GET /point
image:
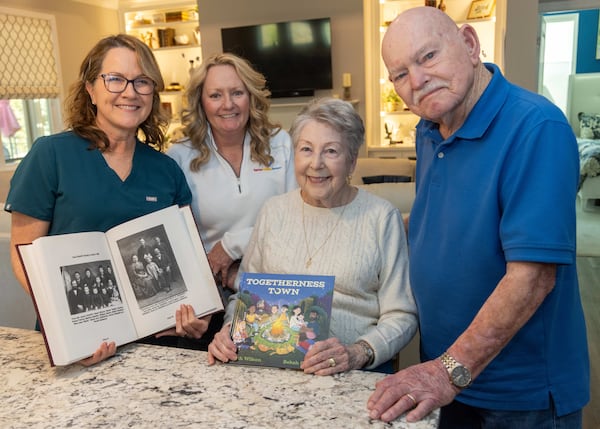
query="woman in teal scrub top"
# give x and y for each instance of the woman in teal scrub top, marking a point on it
(107, 167)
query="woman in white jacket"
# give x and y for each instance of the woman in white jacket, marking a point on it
(234, 159)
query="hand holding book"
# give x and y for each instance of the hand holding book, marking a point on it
(187, 324)
(278, 319)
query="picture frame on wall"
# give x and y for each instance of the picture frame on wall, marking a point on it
(481, 9)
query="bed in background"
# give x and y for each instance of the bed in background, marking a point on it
(583, 112)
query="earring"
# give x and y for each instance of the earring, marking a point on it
(349, 179)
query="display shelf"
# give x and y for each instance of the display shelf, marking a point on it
(131, 26)
(172, 31)
(170, 48)
(379, 100)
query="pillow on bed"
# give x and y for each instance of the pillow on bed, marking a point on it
(589, 125)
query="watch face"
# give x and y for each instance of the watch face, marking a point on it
(461, 376)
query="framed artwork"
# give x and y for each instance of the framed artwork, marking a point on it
(481, 9)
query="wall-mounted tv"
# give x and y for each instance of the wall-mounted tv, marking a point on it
(294, 56)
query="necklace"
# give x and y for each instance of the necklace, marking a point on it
(310, 257)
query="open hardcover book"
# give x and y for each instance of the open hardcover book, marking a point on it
(118, 286)
(278, 317)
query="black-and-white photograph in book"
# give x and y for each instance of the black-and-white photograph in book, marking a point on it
(90, 286)
(151, 266)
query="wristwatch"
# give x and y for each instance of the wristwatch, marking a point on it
(460, 376)
(368, 351)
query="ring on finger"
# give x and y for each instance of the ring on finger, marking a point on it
(412, 398)
(332, 362)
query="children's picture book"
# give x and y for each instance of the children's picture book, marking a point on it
(119, 286)
(278, 317)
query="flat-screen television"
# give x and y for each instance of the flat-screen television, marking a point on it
(294, 56)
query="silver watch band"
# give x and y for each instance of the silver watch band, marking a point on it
(368, 351)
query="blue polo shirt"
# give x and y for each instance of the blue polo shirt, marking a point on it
(501, 189)
(64, 182)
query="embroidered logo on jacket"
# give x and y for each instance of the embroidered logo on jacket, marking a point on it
(266, 169)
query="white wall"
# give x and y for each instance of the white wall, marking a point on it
(521, 43)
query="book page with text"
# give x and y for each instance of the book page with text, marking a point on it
(78, 306)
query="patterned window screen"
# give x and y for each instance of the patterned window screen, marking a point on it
(29, 65)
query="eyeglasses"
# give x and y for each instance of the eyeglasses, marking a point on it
(117, 84)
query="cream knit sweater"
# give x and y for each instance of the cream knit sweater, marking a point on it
(367, 253)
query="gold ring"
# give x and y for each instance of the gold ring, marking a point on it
(412, 398)
(331, 362)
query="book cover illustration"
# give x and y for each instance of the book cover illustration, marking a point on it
(278, 317)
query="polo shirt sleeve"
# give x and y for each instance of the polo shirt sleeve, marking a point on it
(537, 195)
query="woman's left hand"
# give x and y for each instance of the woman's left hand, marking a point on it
(187, 324)
(329, 357)
(219, 262)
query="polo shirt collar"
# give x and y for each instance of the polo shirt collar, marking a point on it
(484, 111)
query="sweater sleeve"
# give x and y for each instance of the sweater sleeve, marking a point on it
(397, 321)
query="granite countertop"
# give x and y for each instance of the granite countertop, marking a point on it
(152, 386)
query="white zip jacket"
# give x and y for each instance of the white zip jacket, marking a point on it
(225, 207)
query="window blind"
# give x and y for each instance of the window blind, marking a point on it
(28, 55)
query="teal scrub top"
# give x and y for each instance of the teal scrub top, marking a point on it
(64, 182)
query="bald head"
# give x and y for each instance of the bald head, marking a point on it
(425, 14)
(415, 23)
(433, 65)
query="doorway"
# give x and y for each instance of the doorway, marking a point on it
(558, 56)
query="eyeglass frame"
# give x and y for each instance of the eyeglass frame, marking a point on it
(127, 82)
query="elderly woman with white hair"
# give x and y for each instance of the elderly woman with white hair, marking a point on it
(329, 227)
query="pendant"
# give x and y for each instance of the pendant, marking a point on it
(308, 262)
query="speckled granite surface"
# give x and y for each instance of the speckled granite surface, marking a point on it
(151, 386)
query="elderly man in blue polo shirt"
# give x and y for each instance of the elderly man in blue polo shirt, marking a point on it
(492, 241)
